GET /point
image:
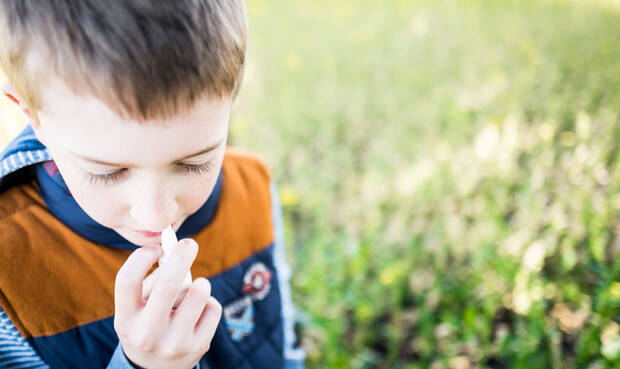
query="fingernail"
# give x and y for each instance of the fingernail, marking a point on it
(188, 242)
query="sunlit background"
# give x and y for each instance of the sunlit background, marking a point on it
(450, 177)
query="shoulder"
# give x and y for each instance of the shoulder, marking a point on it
(250, 166)
(245, 161)
(18, 200)
(22, 215)
(21, 219)
(246, 184)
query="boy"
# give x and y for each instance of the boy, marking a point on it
(129, 103)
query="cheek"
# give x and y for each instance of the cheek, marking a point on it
(195, 193)
(198, 188)
(98, 202)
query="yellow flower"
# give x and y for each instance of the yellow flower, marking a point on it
(614, 290)
(363, 312)
(387, 276)
(288, 196)
(567, 138)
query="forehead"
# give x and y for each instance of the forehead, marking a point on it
(84, 125)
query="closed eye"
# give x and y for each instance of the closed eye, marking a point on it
(117, 176)
(203, 168)
(106, 179)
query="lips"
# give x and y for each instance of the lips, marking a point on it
(149, 233)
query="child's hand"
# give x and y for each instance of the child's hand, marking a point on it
(149, 282)
(152, 334)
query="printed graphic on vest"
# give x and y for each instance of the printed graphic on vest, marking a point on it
(240, 318)
(239, 314)
(257, 281)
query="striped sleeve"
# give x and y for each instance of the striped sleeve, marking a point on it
(120, 361)
(294, 357)
(15, 352)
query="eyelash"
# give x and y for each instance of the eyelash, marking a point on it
(115, 177)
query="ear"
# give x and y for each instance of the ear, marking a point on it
(9, 91)
(12, 95)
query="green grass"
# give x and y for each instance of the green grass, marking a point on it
(450, 176)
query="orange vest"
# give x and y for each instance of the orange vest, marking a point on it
(53, 281)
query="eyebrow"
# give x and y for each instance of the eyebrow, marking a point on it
(101, 162)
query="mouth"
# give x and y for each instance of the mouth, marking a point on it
(150, 234)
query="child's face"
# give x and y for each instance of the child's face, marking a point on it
(135, 178)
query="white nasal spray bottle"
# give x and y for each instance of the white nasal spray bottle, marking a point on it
(168, 243)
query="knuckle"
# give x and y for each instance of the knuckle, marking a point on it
(123, 280)
(201, 347)
(170, 351)
(186, 350)
(189, 249)
(121, 332)
(217, 307)
(118, 327)
(140, 254)
(144, 343)
(122, 336)
(202, 288)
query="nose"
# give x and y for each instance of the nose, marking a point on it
(153, 207)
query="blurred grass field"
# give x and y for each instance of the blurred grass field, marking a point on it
(449, 173)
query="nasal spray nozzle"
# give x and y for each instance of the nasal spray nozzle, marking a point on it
(168, 243)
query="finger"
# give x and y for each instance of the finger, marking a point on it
(180, 298)
(207, 324)
(189, 311)
(128, 283)
(169, 281)
(148, 283)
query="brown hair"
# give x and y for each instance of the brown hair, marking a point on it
(142, 58)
